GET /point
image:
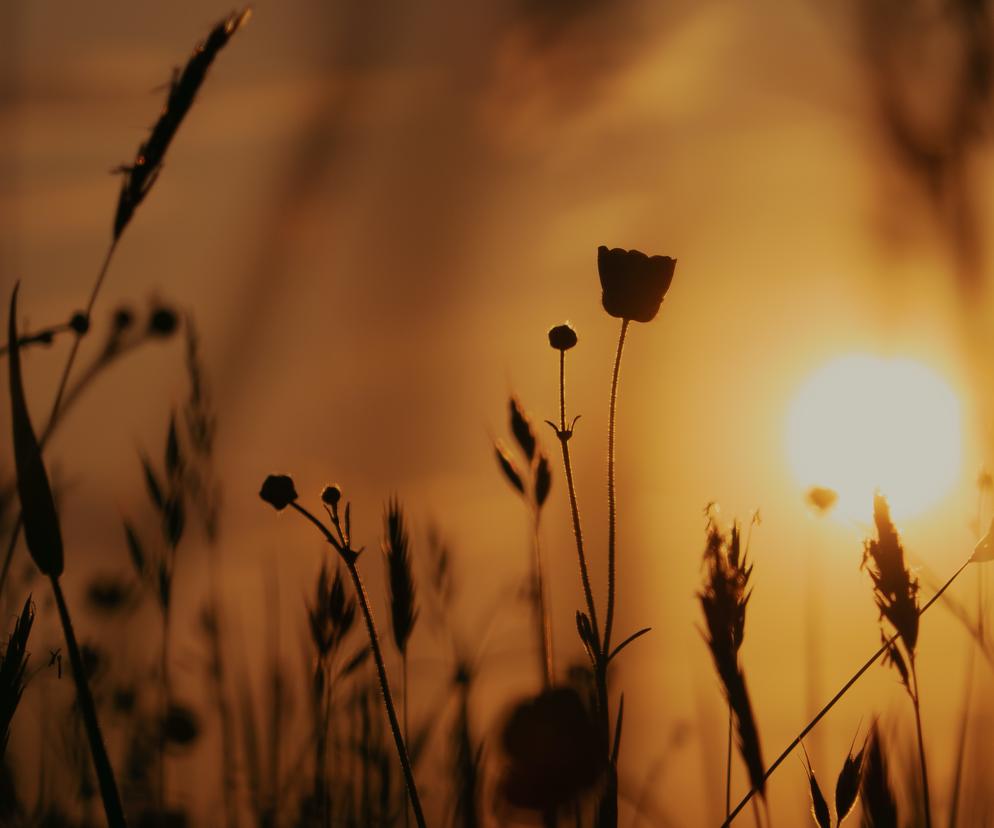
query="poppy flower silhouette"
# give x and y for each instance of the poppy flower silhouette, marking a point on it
(633, 283)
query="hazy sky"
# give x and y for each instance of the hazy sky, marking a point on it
(375, 213)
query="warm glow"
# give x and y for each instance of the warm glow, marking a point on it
(861, 423)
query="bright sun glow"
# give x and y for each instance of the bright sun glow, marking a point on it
(862, 423)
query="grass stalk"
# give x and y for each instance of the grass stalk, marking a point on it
(916, 701)
(612, 504)
(349, 556)
(544, 628)
(105, 775)
(165, 701)
(728, 764)
(835, 699)
(407, 731)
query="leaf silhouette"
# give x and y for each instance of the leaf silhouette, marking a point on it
(41, 521)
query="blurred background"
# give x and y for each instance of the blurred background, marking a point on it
(374, 212)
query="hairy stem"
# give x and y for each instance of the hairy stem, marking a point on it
(612, 516)
(88, 710)
(564, 437)
(381, 670)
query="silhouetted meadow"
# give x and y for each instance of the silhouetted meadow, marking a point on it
(329, 738)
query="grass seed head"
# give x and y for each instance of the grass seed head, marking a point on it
(400, 577)
(724, 599)
(894, 587)
(144, 170)
(13, 665)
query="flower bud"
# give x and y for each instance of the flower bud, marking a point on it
(331, 495)
(562, 337)
(162, 322)
(123, 317)
(278, 491)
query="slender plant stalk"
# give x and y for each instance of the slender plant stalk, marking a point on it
(387, 698)
(728, 766)
(53, 416)
(916, 699)
(612, 516)
(88, 710)
(164, 677)
(541, 612)
(407, 732)
(834, 700)
(962, 737)
(381, 670)
(564, 437)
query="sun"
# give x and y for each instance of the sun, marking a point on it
(862, 423)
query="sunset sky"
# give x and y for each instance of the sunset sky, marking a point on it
(375, 212)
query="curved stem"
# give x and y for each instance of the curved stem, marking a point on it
(845, 688)
(381, 670)
(916, 700)
(349, 556)
(612, 517)
(88, 710)
(564, 437)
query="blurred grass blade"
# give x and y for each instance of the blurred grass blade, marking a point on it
(13, 666)
(41, 521)
(508, 468)
(521, 428)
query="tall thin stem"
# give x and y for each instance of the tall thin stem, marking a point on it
(381, 670)
(564, 437)
(916, 700)
(88, 710)
(407, 732)
(70, 361)
(728, 767)
(834, 700)
(164, 678)
(611, 499)
(543, 626)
